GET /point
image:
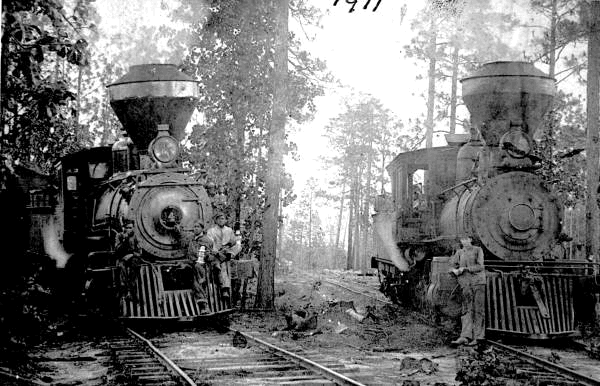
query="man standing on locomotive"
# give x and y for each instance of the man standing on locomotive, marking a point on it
(129, 255)
(226, 246)
(200, 254)
(470, 272)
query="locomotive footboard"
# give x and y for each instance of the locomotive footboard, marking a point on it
(529, 301)
(157, 292)
(151, 300)
(539, 306)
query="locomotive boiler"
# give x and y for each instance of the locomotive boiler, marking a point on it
(139, 179)
(485, 185)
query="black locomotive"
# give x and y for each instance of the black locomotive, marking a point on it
(139, 179)
(483, 185)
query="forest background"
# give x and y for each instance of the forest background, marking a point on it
(365, 81)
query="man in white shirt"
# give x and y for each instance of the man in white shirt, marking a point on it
(226, 245)
(468, 266)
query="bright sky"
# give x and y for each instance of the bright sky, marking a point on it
(364, 50)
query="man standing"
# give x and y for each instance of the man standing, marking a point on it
(226, 246)
(129, 254)
(200, 254)
(470, 272)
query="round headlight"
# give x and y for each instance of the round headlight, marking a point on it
(170, 217)
(516, 143)
(164, 149)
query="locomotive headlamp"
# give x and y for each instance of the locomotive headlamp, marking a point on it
(164, 149)
(516, 143)
(170, 217)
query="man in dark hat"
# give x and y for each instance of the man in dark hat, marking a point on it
(468, 267)
(559, 252)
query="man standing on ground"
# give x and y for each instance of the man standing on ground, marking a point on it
(468, 267)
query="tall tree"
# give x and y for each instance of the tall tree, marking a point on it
(362, 137)
(593, 120)
(230, 143)
(562, 29)
(266, 285)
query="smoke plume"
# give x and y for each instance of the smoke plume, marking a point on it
(384, 228)
(52, 245)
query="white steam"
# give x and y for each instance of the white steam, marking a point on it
(384, 228)
(52, 245)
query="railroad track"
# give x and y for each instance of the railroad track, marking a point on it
(540, 370)
(359, 288)
(365, 291)
(141, 363)
(210, 357)
(528, 366)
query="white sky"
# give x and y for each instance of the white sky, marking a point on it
(363, 49)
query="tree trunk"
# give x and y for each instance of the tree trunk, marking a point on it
(593, 119)
(106, 127)
(350, 254)
(383, 158)
(266, 283)
(339, 224)
(240, 107)
(310, 220)
(453, 92)
(238, 184)
(367, 207)
(552, 42)
(79, 79)
(281, 232)
(3, 81)
(357, 219)
(431, 89)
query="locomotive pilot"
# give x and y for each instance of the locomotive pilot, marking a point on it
(468, 267)
(226, 246)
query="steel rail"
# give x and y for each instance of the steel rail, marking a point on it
(164, 359)
(584, 379)
(326, 372)
(17, 379)
(357, 292)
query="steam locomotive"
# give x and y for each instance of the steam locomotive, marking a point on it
(139, 179)
(485, 185)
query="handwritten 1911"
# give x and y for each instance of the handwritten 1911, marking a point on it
(354, 2)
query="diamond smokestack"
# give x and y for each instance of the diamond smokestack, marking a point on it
(153, 94)
(504, 94)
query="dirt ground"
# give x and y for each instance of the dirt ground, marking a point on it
(385, 327)
(389, 340)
